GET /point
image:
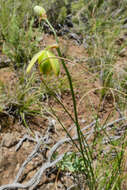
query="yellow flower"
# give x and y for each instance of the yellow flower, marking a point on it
(47, 62)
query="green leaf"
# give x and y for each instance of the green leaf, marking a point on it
(33, 61)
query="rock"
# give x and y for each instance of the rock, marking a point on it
(75, 37)
(8, 163)
(1, 160)
(10, 139)
(85, 44)
(83, 120)
(122, 53)
(68, 21)
(4, 61)
(124, 26)
(49, 186)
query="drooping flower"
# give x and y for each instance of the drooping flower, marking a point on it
(47, 62)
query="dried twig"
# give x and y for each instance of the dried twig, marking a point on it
(35, 180)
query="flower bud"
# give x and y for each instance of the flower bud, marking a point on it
(40, 11)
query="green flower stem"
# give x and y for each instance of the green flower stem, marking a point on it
(68, 75)
(55, 113)
(54, 32)
(79, 133)
(71, 88)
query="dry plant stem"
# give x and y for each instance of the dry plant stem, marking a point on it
(100, 88)
(26, 137)
(72, 62)
(113, 122)
(35, 180)
(31, 184)
(56, 181)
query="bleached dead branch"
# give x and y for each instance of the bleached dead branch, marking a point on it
(40, 141)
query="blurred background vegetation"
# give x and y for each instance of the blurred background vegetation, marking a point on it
(100, 26)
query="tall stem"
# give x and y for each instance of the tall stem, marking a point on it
(68, 74)
(74, 104)
(71, 88)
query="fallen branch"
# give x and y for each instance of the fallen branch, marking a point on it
(35, 180)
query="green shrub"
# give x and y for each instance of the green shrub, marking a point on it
(19, 39)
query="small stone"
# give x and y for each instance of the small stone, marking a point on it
(26, 145)
(4, 62)
(48, 186)
(1, 158)
(122, 53)
(85, 44)
(83, 121)
(124, 26)
(9, 140)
